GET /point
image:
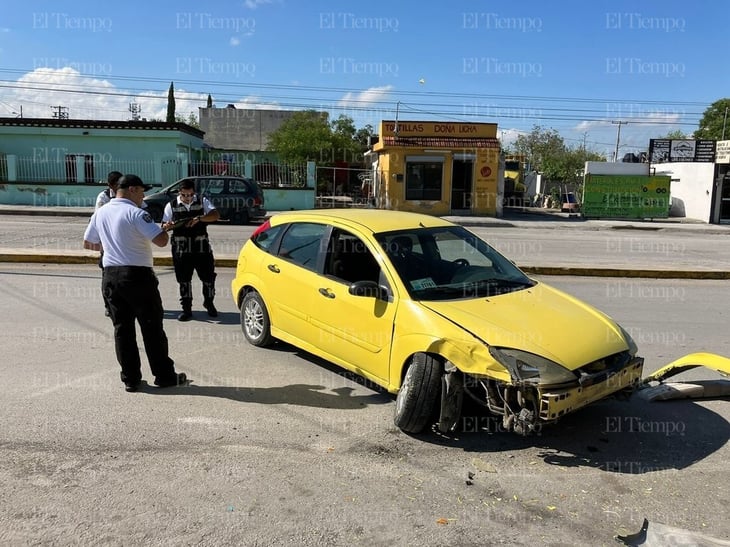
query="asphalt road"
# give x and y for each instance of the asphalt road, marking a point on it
(547, 247)
(274, 447)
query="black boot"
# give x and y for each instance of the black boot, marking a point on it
(208, 295)
(186, 301)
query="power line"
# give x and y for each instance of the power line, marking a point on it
(493, 111)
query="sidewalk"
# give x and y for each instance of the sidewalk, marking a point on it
(566, 244)
(512, 218)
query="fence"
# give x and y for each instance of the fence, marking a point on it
(164, 171)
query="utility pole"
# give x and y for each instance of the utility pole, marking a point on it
(135, 109)
(618, 139)
(61, 112)
(724, 124)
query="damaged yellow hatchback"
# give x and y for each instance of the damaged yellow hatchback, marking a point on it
(428, 310)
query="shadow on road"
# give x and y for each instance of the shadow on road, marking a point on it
(633, 437)
(293, 394)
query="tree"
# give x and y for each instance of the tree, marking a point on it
(302, 137)
(569, 168)
(543, 149)
(362, 136)
(344, 144)
(713, 124)
(209, 103)
(675, 134)
(191, 120)
(171, 104)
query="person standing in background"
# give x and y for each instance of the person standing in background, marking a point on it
(187, 216)
(104, 197)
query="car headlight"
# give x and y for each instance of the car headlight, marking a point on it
(531, 368)
(633, 348)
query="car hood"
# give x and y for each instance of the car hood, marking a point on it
(540, 320)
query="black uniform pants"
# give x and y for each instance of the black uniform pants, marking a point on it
(190, 256)
(133, 295)
(187, 263)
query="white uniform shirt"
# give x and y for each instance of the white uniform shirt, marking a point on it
(124, 231)
(207, 207)
(104, 197)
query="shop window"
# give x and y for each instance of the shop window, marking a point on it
(424, 180)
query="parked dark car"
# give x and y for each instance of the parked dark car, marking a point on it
(239, 200)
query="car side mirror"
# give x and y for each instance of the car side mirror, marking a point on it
(368, 289)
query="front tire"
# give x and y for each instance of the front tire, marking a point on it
(255, 321)
(415, 404)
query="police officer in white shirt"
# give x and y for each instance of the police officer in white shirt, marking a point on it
(187, 216)
(112, 181)
(130, 286)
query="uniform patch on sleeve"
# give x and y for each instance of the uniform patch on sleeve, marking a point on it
(147, 217)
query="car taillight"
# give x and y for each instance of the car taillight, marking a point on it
(265, 226)
(257, 200)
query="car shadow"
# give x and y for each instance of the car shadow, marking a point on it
(628, 437)
(224, 318)
(319, 396)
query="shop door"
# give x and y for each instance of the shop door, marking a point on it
(725, 198)
(462, 175)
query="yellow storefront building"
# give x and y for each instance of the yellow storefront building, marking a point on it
(437, 168)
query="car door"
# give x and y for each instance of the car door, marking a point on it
(355, 331)
(294, 282)
(214, 189)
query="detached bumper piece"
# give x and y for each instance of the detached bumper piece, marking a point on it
(556, 403)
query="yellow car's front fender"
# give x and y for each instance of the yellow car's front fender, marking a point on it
(413, 333)
(693, 360)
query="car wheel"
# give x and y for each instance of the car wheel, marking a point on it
(241, 217)
(416, 401)
(255, 320)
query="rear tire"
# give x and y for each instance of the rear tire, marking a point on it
(415, 404)
(241, 218)
(255, 322)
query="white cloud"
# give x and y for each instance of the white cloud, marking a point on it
(41, 91)
(359, 106)
(234, 41)
(253, 4)
(253, 102)
(508, 136)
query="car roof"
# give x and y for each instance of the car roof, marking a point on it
(376, 220)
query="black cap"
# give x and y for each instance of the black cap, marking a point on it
(133, 180)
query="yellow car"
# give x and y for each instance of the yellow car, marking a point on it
(428, 310)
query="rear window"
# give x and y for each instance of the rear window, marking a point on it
(239, 187)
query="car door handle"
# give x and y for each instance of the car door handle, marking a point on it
(274, 268)
(326, 292)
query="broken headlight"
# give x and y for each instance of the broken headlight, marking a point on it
(531, 368)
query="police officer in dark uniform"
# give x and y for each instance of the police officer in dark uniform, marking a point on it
(187, 216)
(124, 231)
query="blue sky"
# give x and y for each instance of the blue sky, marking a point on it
(570, 66)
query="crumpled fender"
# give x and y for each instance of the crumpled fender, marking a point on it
(693, 360)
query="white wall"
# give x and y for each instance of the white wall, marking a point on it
(691, 188)
(615, 168)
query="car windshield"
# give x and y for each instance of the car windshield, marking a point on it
(450, 263)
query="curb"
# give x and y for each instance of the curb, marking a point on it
(25, 258)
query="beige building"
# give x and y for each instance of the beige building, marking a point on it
(438, 168)
(246, 130)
